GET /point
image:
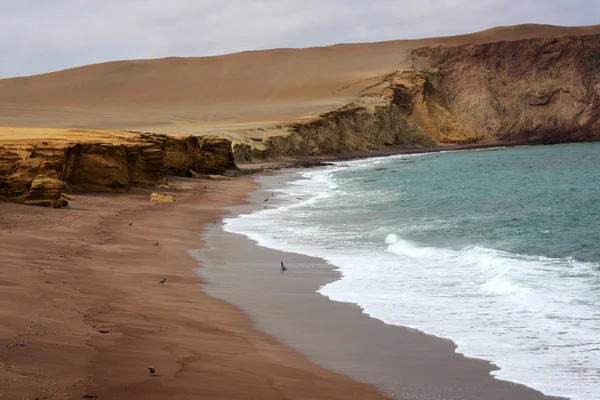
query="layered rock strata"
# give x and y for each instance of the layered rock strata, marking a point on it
(39, 173)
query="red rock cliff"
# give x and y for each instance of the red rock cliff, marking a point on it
(534, 91)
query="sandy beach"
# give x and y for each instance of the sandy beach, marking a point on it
(404, 363)
(84, 314)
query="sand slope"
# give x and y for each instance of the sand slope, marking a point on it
(237, 90)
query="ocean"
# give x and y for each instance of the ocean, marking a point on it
(497, 250)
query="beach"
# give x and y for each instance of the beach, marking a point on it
(457, 275)
(404, 363)
(84, 314)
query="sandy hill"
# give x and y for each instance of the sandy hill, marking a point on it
(208, 93)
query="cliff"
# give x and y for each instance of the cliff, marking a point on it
(38, 171)
(358, 127)
(526, 84)
(528, 91)
(536, 91)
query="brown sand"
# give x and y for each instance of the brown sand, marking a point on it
(69, 274)
(404, 363)
(197, 94)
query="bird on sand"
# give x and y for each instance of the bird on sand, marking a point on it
(265, 200)
(283, 267)
(156, 244)
(151, 369)
(131, 223)
(163, 281)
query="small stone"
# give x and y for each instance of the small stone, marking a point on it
(161, 198)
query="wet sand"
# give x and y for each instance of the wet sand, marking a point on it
(83, 312)
(404, 363)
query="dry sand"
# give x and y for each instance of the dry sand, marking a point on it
(68, 275)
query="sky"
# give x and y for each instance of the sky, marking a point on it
(38, 36)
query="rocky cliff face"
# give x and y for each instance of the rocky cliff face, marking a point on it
(39, 174)
(533, 91)
(358, 127)
(527, 91)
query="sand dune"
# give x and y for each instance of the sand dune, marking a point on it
(204, 93)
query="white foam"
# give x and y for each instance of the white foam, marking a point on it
(392, 238)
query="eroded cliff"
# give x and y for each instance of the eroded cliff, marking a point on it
(367, 124)
(39, 172)
(528, 91)
(536, 91)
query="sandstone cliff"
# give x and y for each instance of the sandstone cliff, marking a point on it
(38, 172)
(357, 127)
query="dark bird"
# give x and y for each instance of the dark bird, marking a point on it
(131, 223)
(151, 369)
(214, 222)
(283, 267)
(163, 281)
(267, 199)
(156, 244)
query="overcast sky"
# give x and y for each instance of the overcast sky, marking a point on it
(39, 36)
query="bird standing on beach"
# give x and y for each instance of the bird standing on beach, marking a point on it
(163, 281)
(156, 244)
(151, 369)
(283, 267)
(265, 200)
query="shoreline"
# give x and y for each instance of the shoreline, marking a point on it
(85, 314)
(403, 362)
(253, 168)
(424, 150)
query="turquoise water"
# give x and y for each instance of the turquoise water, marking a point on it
(498, 250)
(531, 200)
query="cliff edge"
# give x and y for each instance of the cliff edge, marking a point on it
(529, 84)
(40, 166)
(529, 91)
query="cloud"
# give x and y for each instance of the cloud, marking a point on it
(39, 36)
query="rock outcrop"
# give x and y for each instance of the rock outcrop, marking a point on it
(361, 126)
(39, 173)
(161, 198)
(527, 91)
